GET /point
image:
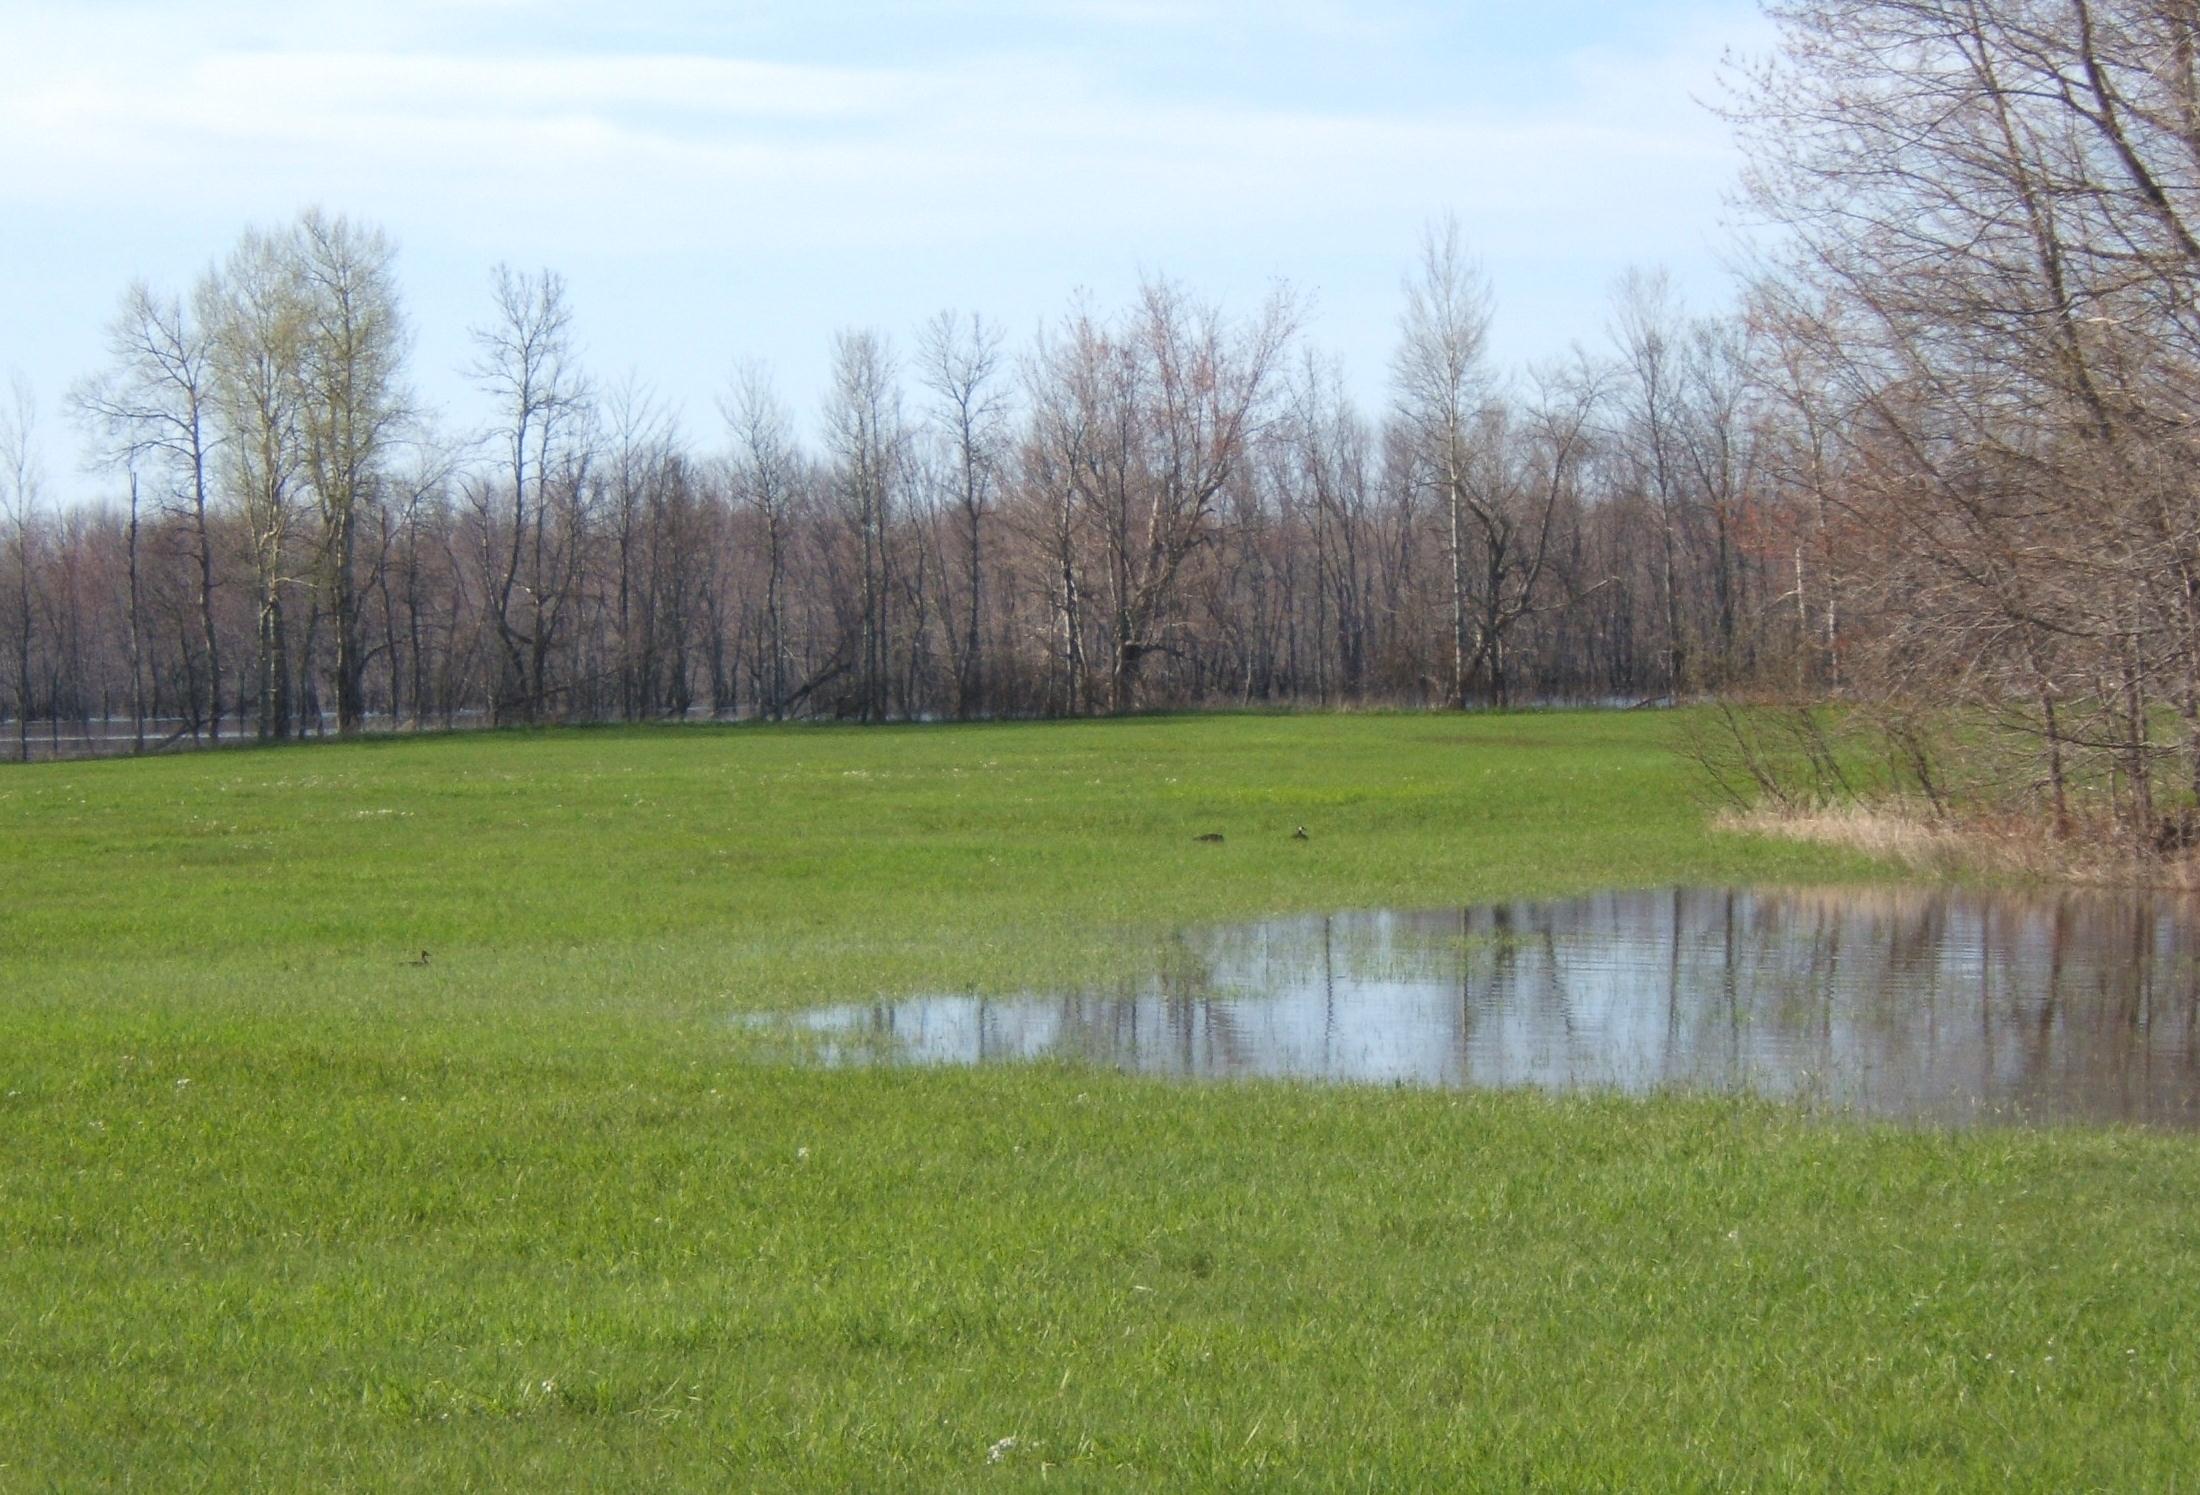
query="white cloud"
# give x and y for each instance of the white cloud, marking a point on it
(645, 147)
(975, 173)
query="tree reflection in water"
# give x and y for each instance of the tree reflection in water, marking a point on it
(1954, 1007)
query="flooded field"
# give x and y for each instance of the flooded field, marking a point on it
(1946, 1007)
(118, 736)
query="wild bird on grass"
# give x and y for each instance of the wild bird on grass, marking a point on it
(1299, 834)
(1212, 838)
(423, 960)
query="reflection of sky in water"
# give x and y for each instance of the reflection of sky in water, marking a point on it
(1952, 1006)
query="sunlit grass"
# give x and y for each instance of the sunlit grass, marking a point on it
(283, 1209)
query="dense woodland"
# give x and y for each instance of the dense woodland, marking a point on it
(1938, 460)
(1163, 503)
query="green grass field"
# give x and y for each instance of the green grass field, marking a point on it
(281, 1211)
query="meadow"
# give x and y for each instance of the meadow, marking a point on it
(284, 1207)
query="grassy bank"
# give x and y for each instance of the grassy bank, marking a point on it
(282, 1208)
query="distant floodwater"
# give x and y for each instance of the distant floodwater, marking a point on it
(115, 736)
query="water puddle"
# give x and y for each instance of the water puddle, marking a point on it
(1954, 1008)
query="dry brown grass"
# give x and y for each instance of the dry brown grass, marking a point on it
(1946, 847)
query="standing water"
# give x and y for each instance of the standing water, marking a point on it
(1951, 1007)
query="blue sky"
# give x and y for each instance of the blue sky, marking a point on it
(728, 182)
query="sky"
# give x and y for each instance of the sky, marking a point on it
(722, 183)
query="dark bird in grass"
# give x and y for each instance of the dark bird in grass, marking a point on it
(1299, 834)
(423, 960)
(1212, 838)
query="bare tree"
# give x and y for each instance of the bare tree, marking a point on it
(523, 360)
(768, 478)
(351, 354)
(1334, 453)
(1067, 456)
(867, 439)
(1182, 392)
(959, 362)
(19, 500)
(641, 459)
(254, 314)
(1991, 257)
(1648, 329)
(1524, 472)
(152, 409)
(1718, 440)
(1438, 380)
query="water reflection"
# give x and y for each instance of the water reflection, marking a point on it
(1954, 1007)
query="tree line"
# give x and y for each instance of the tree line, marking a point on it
(1162, 503)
